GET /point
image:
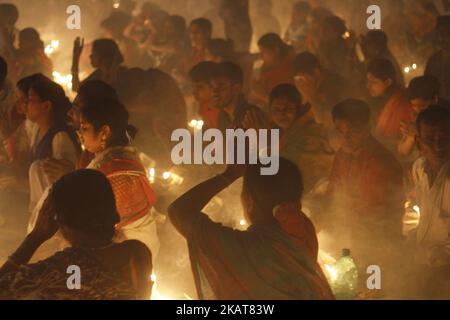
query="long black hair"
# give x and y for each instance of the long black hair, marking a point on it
(110, 112)
(108, 50)
(25, 84)
(48, 90)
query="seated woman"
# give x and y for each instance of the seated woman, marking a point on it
(47, 108)
(106, 58)
(90, 92)
(81, 205)
(278, 65)
(391, 106)
(31, 57)
(105, 132)
(18, 143)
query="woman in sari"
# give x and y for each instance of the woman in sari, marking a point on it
(277, 67)
(81, 206)
(393, 105)
(106, 58)
(105, 132)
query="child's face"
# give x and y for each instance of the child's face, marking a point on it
(283, 112)
(434, 143)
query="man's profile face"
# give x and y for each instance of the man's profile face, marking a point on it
(434, 142)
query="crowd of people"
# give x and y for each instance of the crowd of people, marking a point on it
(359, 138)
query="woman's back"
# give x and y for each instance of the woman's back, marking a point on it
(119, 271)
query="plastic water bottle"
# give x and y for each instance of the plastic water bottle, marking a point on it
(346, 284)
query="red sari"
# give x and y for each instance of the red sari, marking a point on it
(279, 74)
(396, 110)
(128, 178)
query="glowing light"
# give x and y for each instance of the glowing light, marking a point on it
(176, 179)
(331, 272)
(414, 66)
(152, 172)
(166, 175)
(196, 124)
(51, 48)
(407, 69)
(242, 222)
(416, 209)
(158, 296)
(116, 5)
(55, 44)
(346, 35)
(155, 293)
(63, 80)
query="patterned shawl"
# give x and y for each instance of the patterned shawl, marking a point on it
(47, 280)
(132, 190)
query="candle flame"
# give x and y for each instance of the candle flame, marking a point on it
(166, 175)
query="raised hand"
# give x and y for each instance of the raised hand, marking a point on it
(78, 46)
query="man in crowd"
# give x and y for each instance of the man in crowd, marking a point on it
(227, 84)
(276, 258)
